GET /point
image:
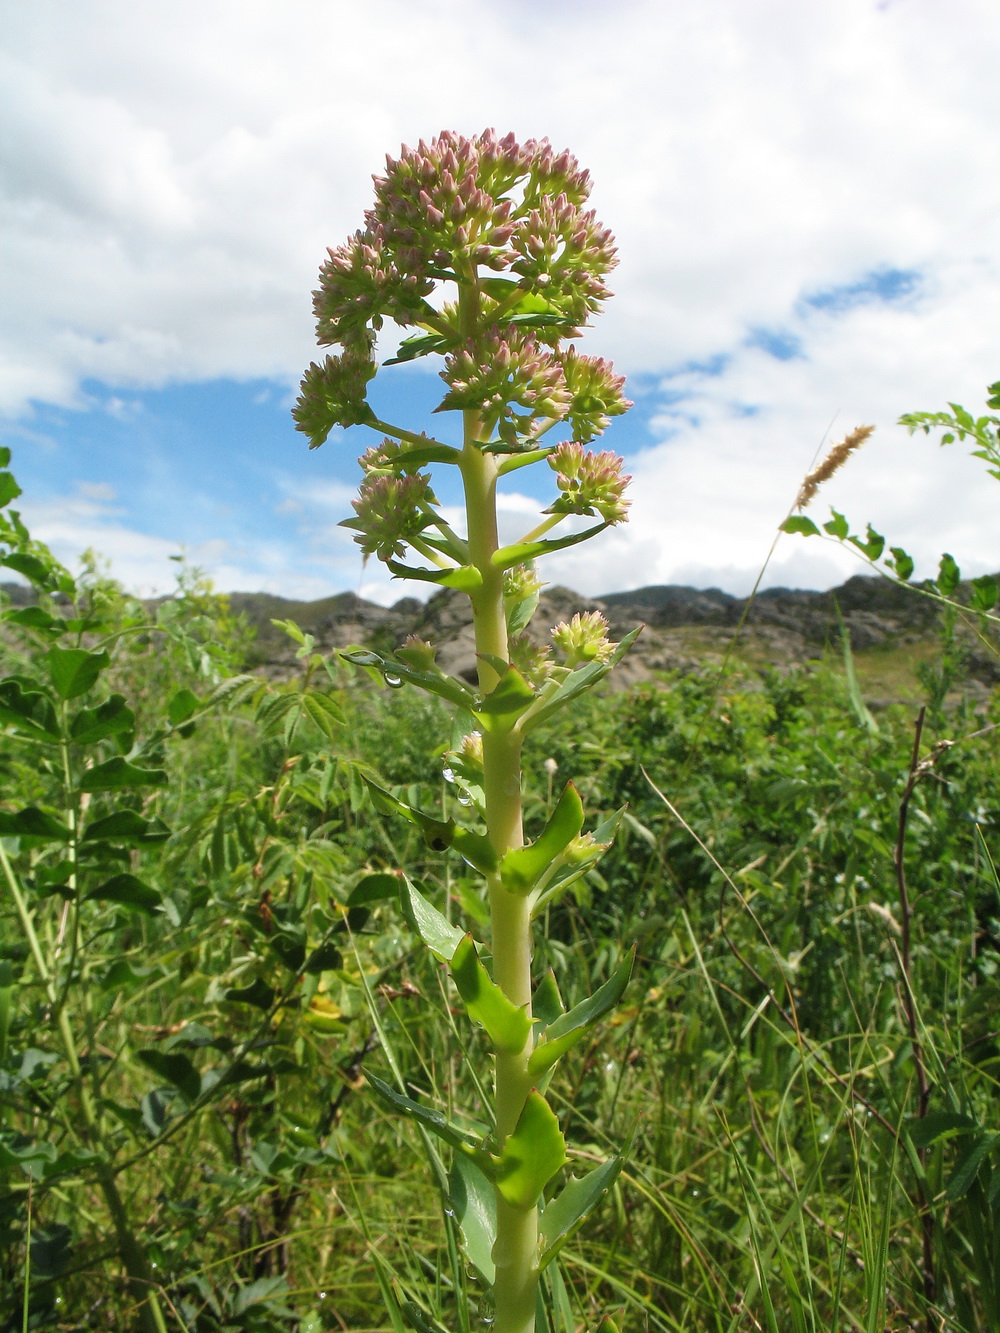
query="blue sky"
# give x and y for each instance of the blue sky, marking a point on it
(806, 222)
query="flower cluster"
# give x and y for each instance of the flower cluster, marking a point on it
(443, 211)
(503, 371)
(389, 457)
(566, 254)
(533, 660)
(583, 639)
(333, 394)
(360, 283)
(597, 394)
(391, 511)
(590, 483)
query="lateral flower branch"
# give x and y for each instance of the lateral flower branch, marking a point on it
(483, 248)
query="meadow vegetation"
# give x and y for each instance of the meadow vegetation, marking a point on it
(202, 951)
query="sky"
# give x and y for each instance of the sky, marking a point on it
(805, 198)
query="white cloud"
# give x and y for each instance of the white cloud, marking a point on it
(174, 175)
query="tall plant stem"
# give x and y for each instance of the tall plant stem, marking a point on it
(515, 1253)
(133, 1256)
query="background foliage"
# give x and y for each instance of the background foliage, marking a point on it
(218, 953)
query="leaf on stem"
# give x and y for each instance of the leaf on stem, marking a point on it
(506, 1025)
(126, 826)
(567, 1030)
(523, 552)
(34, 825)
(439, 834)
(465, 578)
(110, 718)
(522, 867)
(564, 1214)
(531, 1155)
(949, 575)
(462, 1139)
(474, 1200)
(583, 678)
(546, 1002)
(435, 682)
(128, 891)
(591, 849)
(73, 671)
(117, 774)
(500, 709)
(436, 931)
(28, 710)
(177, 1069)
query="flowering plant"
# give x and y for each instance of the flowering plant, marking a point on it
(484, 248)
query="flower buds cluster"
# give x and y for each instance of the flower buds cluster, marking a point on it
(444, 212)
(391, 511)
(597, 394)
(503, 371)
(333, 394)
(583, 639)
(590, 483)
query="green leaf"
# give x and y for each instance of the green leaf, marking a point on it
(438, 833)
(476, 849)
(424, 1115)
(474, 1201)
(524, 552)
(901, 563)
(872, 546)
(936, 1125)
(436, 931)
(799, 523)
(9, 489)
(465, 578)
(531, 1155)
(501, 708)
(73, 671)
(324, 712)
(411, 348)
(33, 569)
(578, 681)
(435, 682)
(118, 774)
(546, 1003)
(967, 1166)
(984, 593)
(181, 706)
(176, 1069)
(948, 575)
(33, 823)
(564, 1214)
(108, 719)
(4, 456)
(33, 617)
(522, 867)
(258, 993)
(126, 826)
(567, 1030)
(324, 958)
(591, 849)
(506, 1025)
(373, 889)
(128, 891)
(28, 711)
(837, 526)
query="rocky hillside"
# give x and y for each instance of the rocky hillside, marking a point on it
(892, 629)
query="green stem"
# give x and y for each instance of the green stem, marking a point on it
(515, 1252)
(133, 1256)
